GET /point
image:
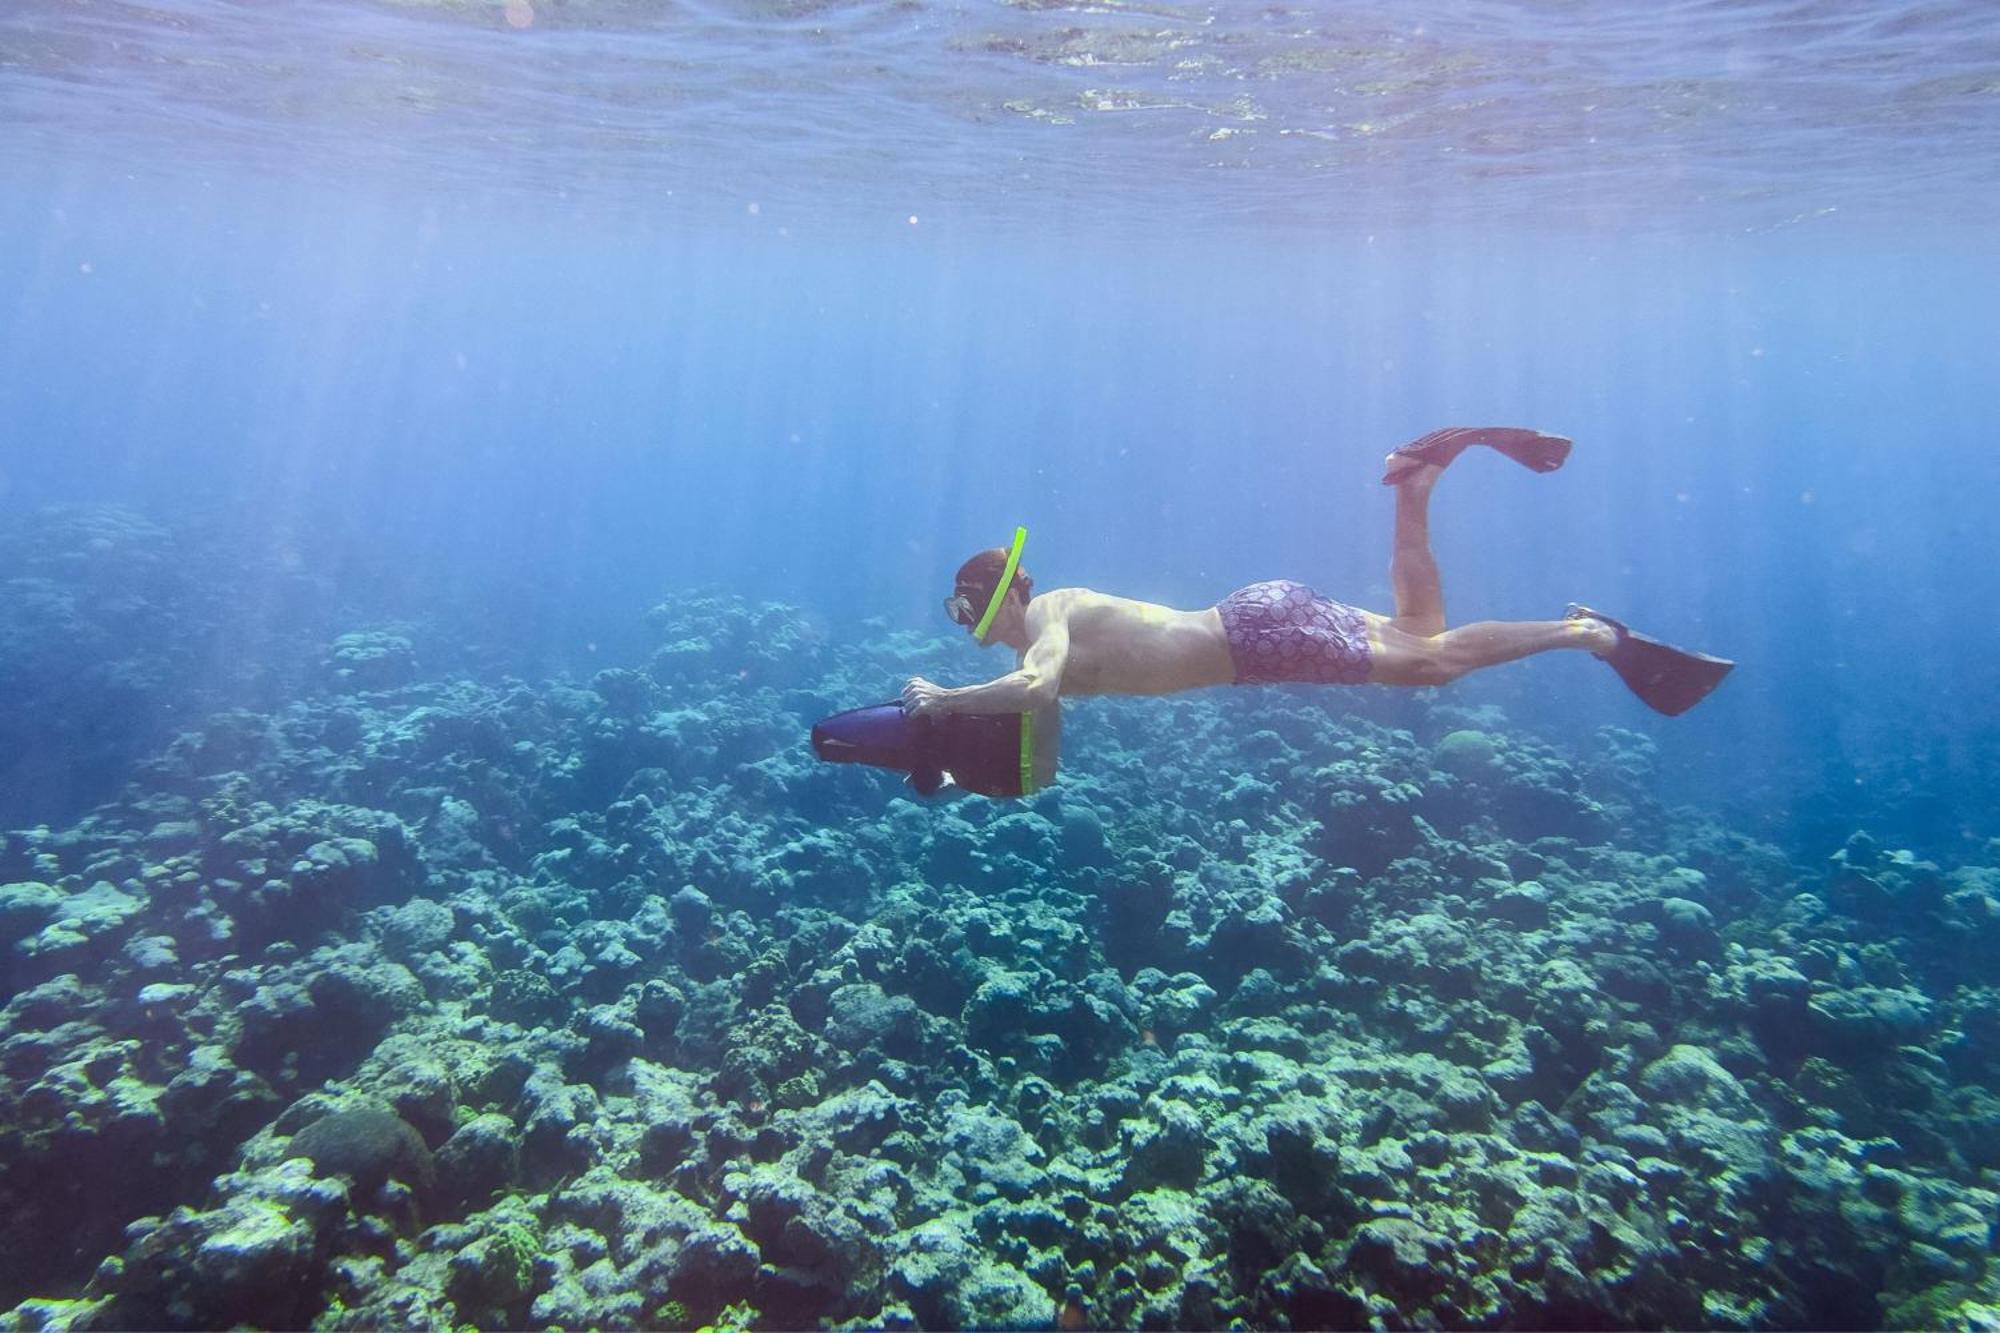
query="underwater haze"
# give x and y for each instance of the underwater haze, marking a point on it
(451, 451)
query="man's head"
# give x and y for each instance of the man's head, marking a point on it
(972, 592)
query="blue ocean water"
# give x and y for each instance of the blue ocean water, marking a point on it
(807, 300)
(508, 319)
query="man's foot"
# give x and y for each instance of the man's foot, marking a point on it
(1427, 457)
(1600, 635)
(1414, 478)
(1400, 469)
(1529, 448)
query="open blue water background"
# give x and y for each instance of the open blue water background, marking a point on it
(517, 325)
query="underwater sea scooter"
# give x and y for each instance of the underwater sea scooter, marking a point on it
(989, 753)
(992, 754)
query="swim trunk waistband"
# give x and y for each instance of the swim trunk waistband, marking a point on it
(1282, 632)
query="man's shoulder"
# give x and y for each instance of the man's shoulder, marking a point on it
(1086, 609)
(1066, 601)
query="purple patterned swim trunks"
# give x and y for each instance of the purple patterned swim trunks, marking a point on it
(1282, 632)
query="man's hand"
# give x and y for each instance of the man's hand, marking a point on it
(921, 696)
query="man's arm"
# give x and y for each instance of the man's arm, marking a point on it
(1033, 686)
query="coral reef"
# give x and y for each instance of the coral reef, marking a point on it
(441, 1001)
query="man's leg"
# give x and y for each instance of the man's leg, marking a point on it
(1413, 571)
(1414, 647)
(1400, 658)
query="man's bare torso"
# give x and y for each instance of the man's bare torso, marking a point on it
(1115, 645)
(1121, 646)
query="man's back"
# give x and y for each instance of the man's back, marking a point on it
(1121, 646)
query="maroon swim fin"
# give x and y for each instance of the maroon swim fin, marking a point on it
(1667, 679)
(1530, 448)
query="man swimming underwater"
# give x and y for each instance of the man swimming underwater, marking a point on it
(1074, 641)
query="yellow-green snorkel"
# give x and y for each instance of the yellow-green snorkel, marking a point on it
(1000, 588)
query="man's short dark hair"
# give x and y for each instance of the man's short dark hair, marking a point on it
(978, 576)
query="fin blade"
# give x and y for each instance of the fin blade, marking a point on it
(1667, 679)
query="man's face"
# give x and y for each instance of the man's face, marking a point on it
(959, 606)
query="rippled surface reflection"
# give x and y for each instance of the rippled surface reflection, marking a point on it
(1730, 115)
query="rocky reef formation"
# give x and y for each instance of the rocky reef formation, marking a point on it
(444, 1001)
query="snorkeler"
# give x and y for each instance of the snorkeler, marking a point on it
(1073, 641)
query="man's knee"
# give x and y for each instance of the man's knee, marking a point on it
(1444, 662)
(1424, 662)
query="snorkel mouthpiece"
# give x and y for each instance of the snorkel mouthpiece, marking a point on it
(1000, 589)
